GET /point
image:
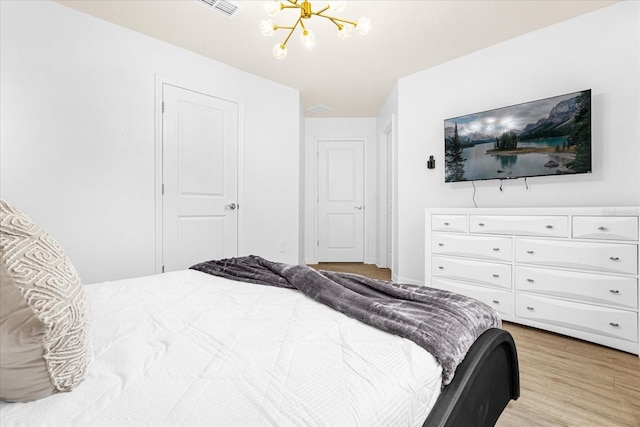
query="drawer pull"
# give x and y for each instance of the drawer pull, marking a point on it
(529, 308)
(446, 223)
(602, 228)
(440, 244)
(530, 280)
(481, 224)
(614, 258)
(530, 252)
(614, 291)
(549, 226)
(441, 267)
(495, 301)
(614, 324)
(496, 275)
(496, 249)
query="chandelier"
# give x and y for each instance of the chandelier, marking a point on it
(345, 28)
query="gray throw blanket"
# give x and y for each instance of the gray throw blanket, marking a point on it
(443, 323)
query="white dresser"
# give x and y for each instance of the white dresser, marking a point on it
(572, 271)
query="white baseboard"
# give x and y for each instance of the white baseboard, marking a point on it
(407, 280)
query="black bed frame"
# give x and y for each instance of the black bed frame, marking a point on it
(484, 383)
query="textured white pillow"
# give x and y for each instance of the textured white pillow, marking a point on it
(44, 314)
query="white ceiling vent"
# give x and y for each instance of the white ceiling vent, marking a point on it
(223, 7)
(319, 109)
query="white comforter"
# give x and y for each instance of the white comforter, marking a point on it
(186, 348)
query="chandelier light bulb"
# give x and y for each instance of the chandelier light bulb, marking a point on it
(363, 25)
(266, 26)
(272, 7)
(337, 6)
(345, 31)
(307, 38)
(279, 51)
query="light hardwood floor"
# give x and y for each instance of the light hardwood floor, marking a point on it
(563, 381)
(368, 270)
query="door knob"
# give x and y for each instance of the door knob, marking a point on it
(358, 207)
(232, 206)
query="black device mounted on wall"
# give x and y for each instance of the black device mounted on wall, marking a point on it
(431, 163)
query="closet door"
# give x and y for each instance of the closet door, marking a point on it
(340, 201)
(199, 173)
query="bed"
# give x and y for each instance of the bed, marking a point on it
(191, 348)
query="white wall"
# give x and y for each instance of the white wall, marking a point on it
(340, 129)
(600, 50)
(77, 138)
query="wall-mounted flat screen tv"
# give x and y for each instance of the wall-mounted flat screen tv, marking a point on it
(550, 136)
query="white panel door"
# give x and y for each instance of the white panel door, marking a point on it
(199, 173)
(340, 201)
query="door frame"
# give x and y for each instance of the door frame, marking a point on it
(386, 227)
(161, 80)
(316, 195)
(384, 176)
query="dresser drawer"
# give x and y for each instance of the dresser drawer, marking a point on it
(605, 227)
(457, 223)
(598, 288)
(500, 301)
(464, 245)
(485, 273)
(538, 225)
(603, 321)
(608, 257)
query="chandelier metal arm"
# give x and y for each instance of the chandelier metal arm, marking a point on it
(293, 28)
(294, 5)
(341, 20)
(332, 19)
(323, 10)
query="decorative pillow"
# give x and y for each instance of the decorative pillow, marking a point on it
(44, 314)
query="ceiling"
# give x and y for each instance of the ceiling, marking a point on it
(353, 77)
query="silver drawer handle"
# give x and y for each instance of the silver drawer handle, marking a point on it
(530, 280)
(530, 308)
(440, 244)
(441, 267)
(496, 249)
(602, 228)
(614, 324)
(530, 252)
(495, 301)
(446, 223)
(549, 226)
(496, 275)
(481, 224)
(614, 258)
(614, 291)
